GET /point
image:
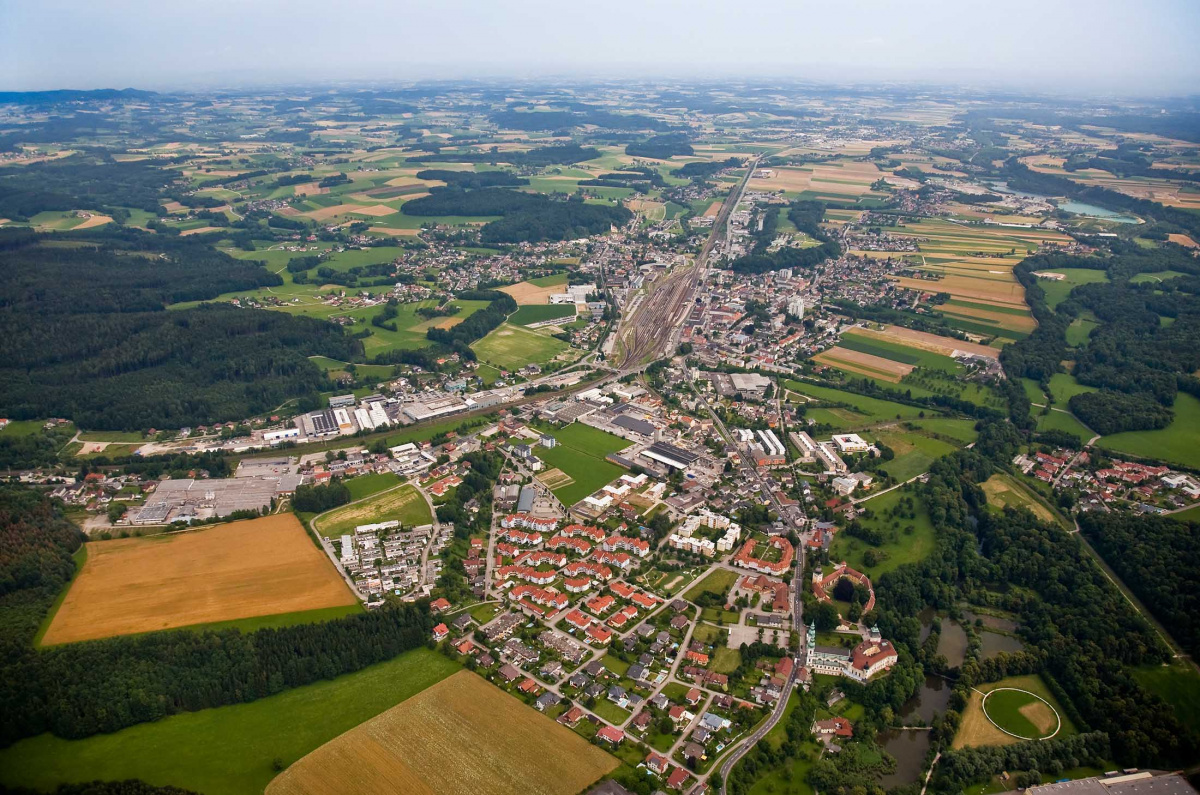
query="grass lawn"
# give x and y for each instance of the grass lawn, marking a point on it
(1062, 421)
(718, 581)
(915, 452)
(606, 710)
(366, 485)
(706, 634)
(404, 503)
(227, 749)
(975, 729)
(899, 547)
(1177, 684)
(725, 660)
(1006, 491)
(960, 430)
(1063, 387)
(580, 454)
(511, 347)
(1177, 443)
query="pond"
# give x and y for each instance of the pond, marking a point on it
(994, 643)
(990, 622)
(1070, 205)
(909, 748)
(953, 643)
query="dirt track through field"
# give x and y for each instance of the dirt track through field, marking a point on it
(258, 567)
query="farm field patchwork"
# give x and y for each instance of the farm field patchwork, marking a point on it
(404, 503)
(231, 749)
(460, 735)
(258, 567)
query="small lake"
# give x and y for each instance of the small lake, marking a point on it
(994, 643)
(990, 622)
(1070, 206)
(953, 643)
(909, 748)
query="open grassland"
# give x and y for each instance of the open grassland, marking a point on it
(1178, 443)
(580, 458)
(718, 581)
(511, 347)
(460, 735)
(259, 567)
(860, 411)
(1057, 290)
(1004, 491)
(900, 546)
(915, 451)
(366, 485)
(229, 750)
(976, 730)
(404, 503)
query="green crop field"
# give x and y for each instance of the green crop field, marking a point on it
(539, 313)
(864, 410)
(900, 545)
(1177, 443)
(512, 347)
(228, 749)
(580, 454)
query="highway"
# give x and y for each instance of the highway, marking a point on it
(649, 331)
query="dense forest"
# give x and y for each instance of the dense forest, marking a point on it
(806, 215)
(473, 179)
(701, 169)
(82, 182)
(86, 335)
(661, 147)
(87, 688)
(526, 217)
(1158, 558)
(563, 155)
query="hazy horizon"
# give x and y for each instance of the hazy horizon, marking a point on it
(1104, 47)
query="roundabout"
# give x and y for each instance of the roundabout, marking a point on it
(1021, 714)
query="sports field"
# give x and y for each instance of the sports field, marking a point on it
(259, 567)
(230, 750)
(404, 503)
(1021, 713)
(512, 347)
(976, 730)
(578, 460)
(460, 735)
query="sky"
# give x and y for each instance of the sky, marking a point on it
(1148, 47)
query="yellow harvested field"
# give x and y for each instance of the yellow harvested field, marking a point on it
(387, 230)
(970, 288)
(1002, 320)
(926, 341)
(258, 567)
(1182, 240)
(375, 210)
(461, 735)
(309, 189)
(95, 220)
(326, 213)
(527, 293)
(842, 179)
(402, 503)
(864, 363)
(1002, 491)
(713, 210)
(174, 207)
(198, 230)
(976, 730)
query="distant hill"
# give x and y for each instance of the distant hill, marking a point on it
(71, 95)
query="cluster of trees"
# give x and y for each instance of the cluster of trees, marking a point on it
(702, 168)
(1157, 557)
(473, 179)
(765, 757)
(563, 155)
(81, 689)
(661, 147)
(639, 179)
(806, 215)
(962, 766)
(318, 499)
(555, 221)
(477, 485)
